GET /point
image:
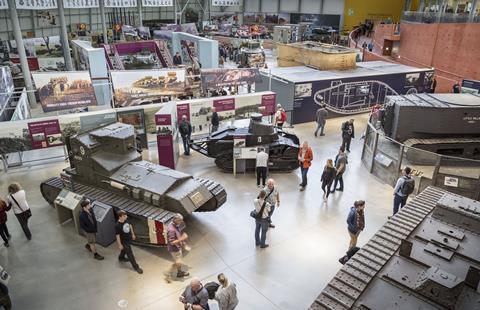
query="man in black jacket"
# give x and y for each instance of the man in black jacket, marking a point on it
(185, 129)
(88, 222)
(348, 132)
(215, 120)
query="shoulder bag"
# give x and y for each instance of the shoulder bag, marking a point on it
(258, 216)
(28, 212)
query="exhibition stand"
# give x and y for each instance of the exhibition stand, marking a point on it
(167, 136)
(207, 49)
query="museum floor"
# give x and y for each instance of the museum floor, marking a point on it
(54, 271)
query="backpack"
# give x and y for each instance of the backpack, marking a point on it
(283, 116)
(211, 288)
(408, 186)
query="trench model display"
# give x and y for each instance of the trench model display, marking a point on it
(427, 256)
(105, 166)
(282, 147)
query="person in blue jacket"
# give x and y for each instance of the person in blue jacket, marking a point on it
(356, 221)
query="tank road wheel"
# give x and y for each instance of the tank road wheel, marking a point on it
(225, 161)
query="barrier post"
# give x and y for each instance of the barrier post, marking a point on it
(400, 159)
(374, 151)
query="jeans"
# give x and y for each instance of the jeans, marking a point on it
(23, 220)
(326, 188)
(127, 250)
(346, 143)
(4, 232)
(304, 175)
(186, 144)
(261, 174)
(338, 179)
(321, 127)
(261, 226)
(269, 218)
(214, 128)
(398, 203)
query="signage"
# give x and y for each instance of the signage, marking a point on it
(451, 181)
(45, 134)
(147, 3)
(226, 2)
(80, 4)
(120, 3)
(36, 4)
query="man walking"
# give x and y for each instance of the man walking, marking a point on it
(305, 157)
(321, 119)
(185, 129)
(404, 187)
(176, 239)
(125, 235)
(88, 223)
(341, 162)
(356, 222)
(348, 132)
(261, 165)
(215, 120)
(273, 198)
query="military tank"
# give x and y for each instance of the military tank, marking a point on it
(281, 146)
(106, 166)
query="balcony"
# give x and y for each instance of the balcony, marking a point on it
(437, 17)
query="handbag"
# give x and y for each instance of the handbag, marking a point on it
(254, 213)
(28, 212)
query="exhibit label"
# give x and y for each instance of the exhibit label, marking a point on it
(149, 3)
(226, 2)
(3, 4)
(120, 3)
(45, 134)
(268, 102)
(224, 104)
(36, 4)
(80, 4)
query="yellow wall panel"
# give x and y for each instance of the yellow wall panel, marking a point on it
(356, 11)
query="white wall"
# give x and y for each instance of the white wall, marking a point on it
(289, 6)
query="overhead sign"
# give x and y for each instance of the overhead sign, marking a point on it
(226, 2)
(80, 4)
(120, 3)
(157, 2)
(3, 4)
(36, 4)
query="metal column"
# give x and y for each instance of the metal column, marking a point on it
(421, 6)
(64, 37)
(140, 16)
(473, 10)
(102, 18)
(17, 34)
(175, 7)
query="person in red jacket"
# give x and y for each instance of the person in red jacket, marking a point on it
(3, 222)
(305, 157)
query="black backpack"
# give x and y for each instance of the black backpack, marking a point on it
(211, 288)
(408, 186)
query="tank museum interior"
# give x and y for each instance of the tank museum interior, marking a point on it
(240, 154)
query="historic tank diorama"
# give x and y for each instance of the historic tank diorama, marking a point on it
(427, 256)
(251, 55)
(446, 124)
(282, 147)
(105, 165)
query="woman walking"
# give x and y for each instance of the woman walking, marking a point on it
(17, 200)
(226, 295)
(3, 223)
(328, 176)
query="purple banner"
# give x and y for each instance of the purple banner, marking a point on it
(268, 101)
(45, 134)
(224, 104)
(163, 120)
(183, 109)
(165, 151)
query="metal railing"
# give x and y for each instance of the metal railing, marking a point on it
(385, 157)
(438, 17)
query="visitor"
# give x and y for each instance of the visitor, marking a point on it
(176, 239)
(125, 235)
(185, 129)
(370, 46)
(226, 295)
(433, 86)
(177, 59)
(348, 132)
(321, 119)
(404, 187)
(195, 296)
(88, 223)
(215, 121)
(328, 176)
(3, 223)
(18, 201)
(273, 198)
(356, 222)
(456, 88)
(280, 116)
(364, 45)
(261, 165)
(5, 300)
(262, 210)
(305, 157)
(341, 162)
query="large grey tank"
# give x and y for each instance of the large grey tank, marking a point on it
(106, 166)
(425, 257)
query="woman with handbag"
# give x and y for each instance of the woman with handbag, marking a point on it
(18, 201)
(3, 222)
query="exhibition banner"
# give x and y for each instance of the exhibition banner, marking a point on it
(136, 87)
(6, 85)
(64, 90)
(226, 2)
(45, 134)
(21, 109)
(120, 3)
(36, 4)
(3, 4)
(80, 4)
(148, 3)
(223, 105)
(217, 78)
(268, 104)
(183, 109)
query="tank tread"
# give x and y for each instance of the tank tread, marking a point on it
(219, 195)
(415, 141)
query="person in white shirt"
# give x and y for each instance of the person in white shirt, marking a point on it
(261, 221)
(17, 200)
(226, 295)
(261, 166)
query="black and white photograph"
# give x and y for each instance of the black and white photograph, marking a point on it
(303, 90)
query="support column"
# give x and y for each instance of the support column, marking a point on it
(64, 37)
(175, 6)
(140, 15)
(408, 4)
(17, 34)
(421, 6)
(473, 10)
(32, 20)
(102, 18)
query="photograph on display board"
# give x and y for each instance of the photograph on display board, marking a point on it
(245, 106)
(216, 78)
(45, 134)
(428, 80)
(64, 90)
(411, 79)
(144, 86)
(303, 90)
(200, 116)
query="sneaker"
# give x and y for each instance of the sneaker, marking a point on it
(271, 226)
(322, 134)
(182, 274)
(139, 270)
(6, 244)
(340, 189)
(9, 237)
(123, 259)
(315, 134)
(302, 188)
(98, 256)
(264, 246)
(88, 247)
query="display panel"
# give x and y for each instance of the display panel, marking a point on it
(80, 4)
(148, 3)
(35, 4)
(120, 3)
(216, 78)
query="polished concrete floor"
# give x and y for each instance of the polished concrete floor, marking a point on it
(54, 271)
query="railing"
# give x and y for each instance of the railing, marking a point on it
(437, 17)
(385, 157)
